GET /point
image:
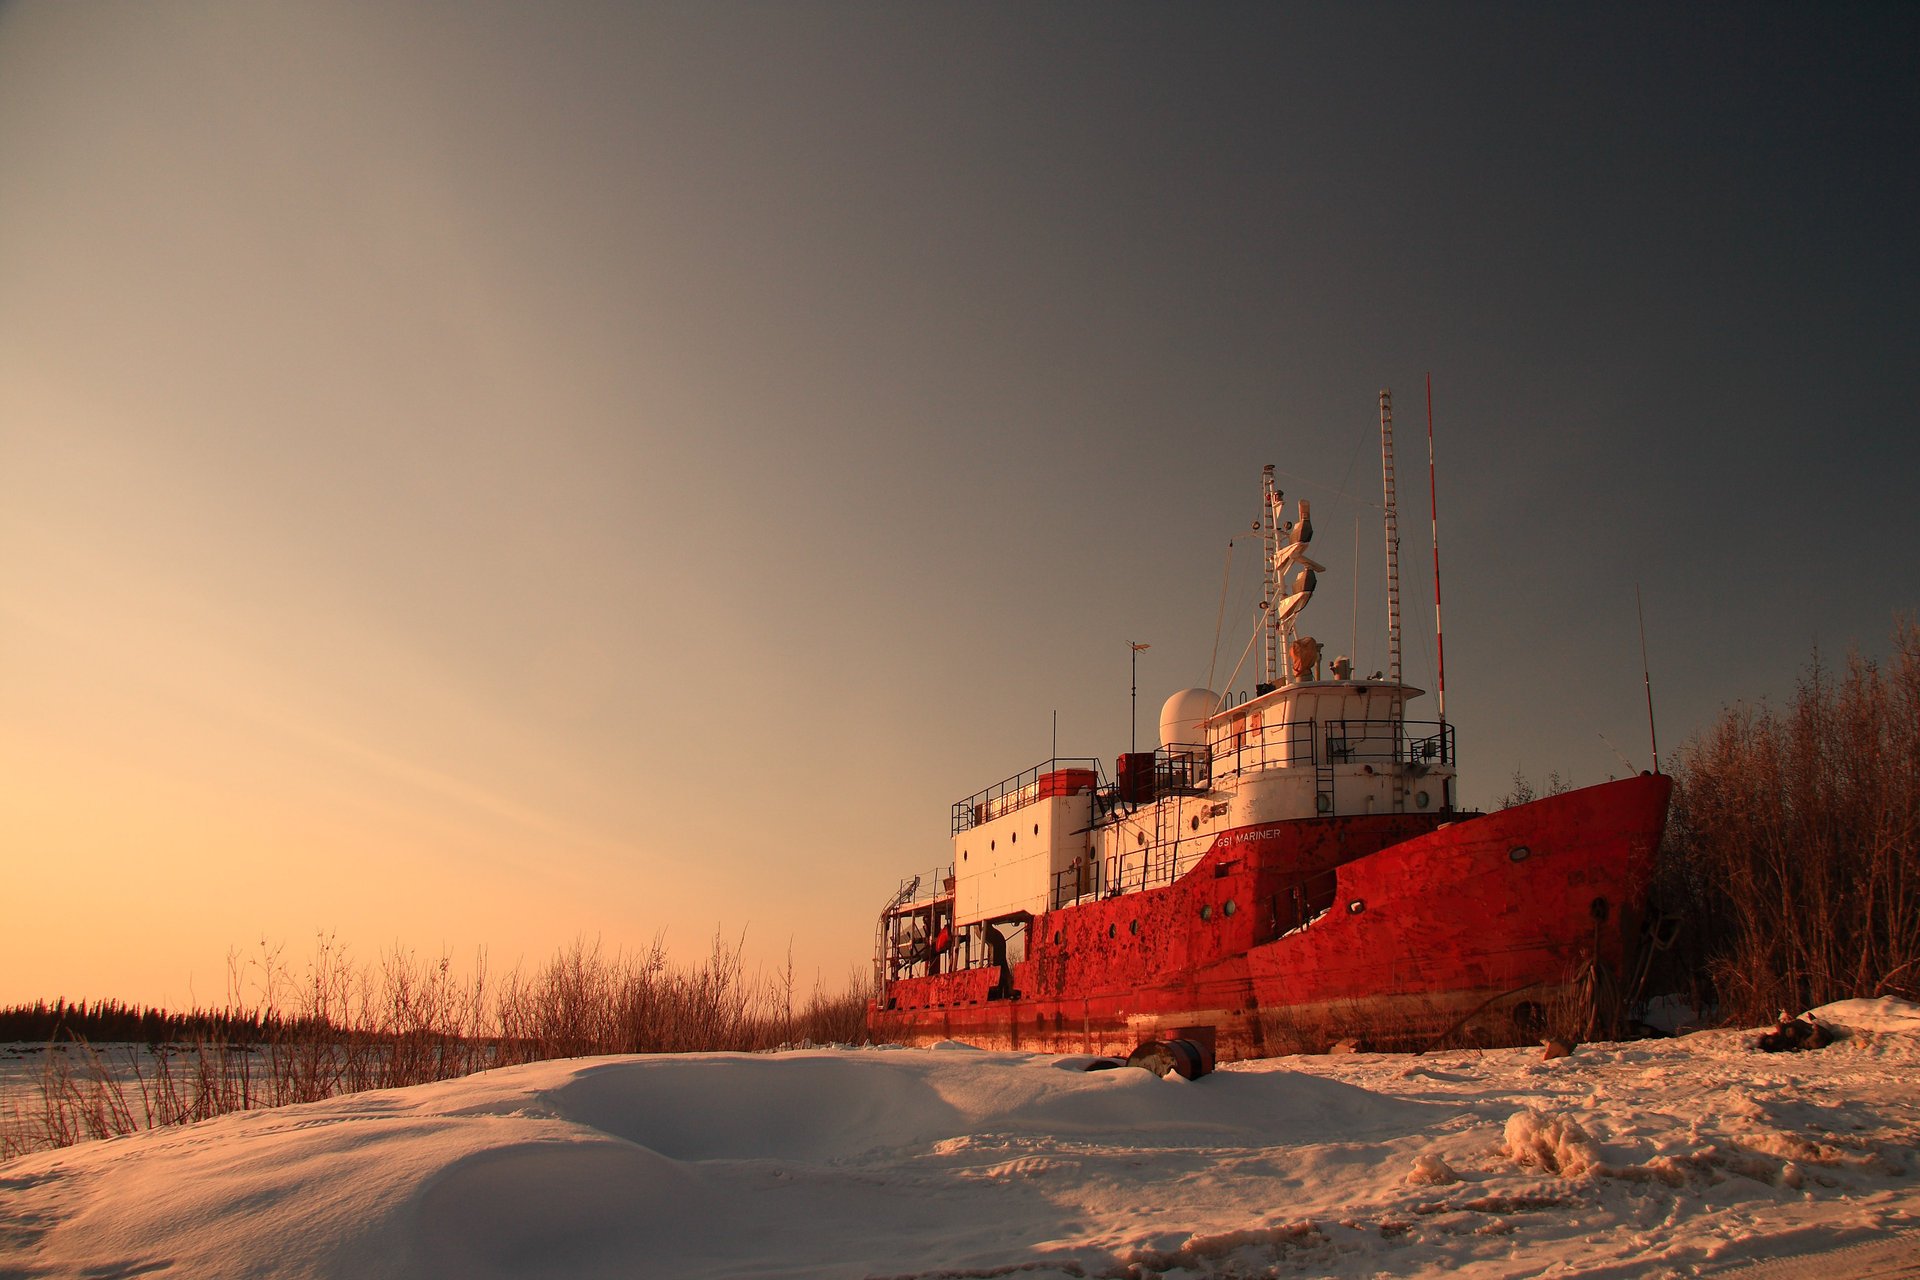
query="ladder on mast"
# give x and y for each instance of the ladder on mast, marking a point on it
(1399, 801)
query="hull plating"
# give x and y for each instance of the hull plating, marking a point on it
(1392, 930)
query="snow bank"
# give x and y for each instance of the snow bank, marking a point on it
(1885, 1016)
(848, 1163)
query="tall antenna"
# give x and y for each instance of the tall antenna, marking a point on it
(1353, 644)
(1270, 500)
(1433, 501)
(1646, 676)
(1133, 706)
(1393, 536)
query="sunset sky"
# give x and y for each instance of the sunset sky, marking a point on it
(482, 476)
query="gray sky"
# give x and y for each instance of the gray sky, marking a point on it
(479, 475)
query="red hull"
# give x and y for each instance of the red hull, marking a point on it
(1393, 930)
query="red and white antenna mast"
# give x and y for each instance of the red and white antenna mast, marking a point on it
(1433, 501)
(1393, 536)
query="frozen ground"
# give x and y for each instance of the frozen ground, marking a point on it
(1663, 1158)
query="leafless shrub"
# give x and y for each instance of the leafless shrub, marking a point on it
(340, 1027)
(835, 1017)
(1794, 850)
(1522, 791)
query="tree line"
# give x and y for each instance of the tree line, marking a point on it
(104, 1021)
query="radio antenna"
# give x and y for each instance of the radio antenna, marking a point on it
(1433, 500)
(1646, 677)
(1393, 536)
(1133, 706)
(1353, 642)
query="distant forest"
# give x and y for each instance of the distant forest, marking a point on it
(109, 1021)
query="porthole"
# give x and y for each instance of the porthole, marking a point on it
(1194, 822)
(1518, 853)
(1133, 927)
(1600, 910)
(1036, 828)
(1057, 935)
(1140, 838)
(1013, 837)
(1355, 907)
(1323, 802)
(1422, 799)
(1229, 907)
(1112, 930)
(963, 855)
(1206, 912)
(992, 845)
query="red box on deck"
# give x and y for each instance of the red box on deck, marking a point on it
(1065, 782)
(1134, 777)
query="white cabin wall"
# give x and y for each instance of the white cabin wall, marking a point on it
(1276, 795)
(1007, 865)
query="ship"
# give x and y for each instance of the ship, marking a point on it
(1286, 872)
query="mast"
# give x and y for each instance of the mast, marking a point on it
(1270, 500)
(1433, 505)
(1393, 536)
(1646, 676)
(1133, 705)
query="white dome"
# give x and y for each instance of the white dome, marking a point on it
(1183, 719)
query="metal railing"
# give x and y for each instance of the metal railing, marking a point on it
(1389, 742)
(1311, 742)
(1167, 852)
(1078, 881)
(1265, 747)
(1019, 791)
(904, 943)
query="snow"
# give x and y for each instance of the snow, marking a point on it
(1871, 1017)
(1654, 1158)
(1554, 1143)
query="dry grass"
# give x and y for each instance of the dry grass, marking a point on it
(342, 1027)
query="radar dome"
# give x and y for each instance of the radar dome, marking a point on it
(1183, 720)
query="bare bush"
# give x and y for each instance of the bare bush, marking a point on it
(1793, 855)
(834, 1017)
(1522, 791)
(343, 1027)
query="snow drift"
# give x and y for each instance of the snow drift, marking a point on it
(1631, 1159)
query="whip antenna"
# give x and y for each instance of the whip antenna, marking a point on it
(1647, 678)
(1433, 501)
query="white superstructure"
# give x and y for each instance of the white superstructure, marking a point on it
(1301, 747)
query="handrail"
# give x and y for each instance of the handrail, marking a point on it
(1342, 741)
(1018, 791)
(1392, 741)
